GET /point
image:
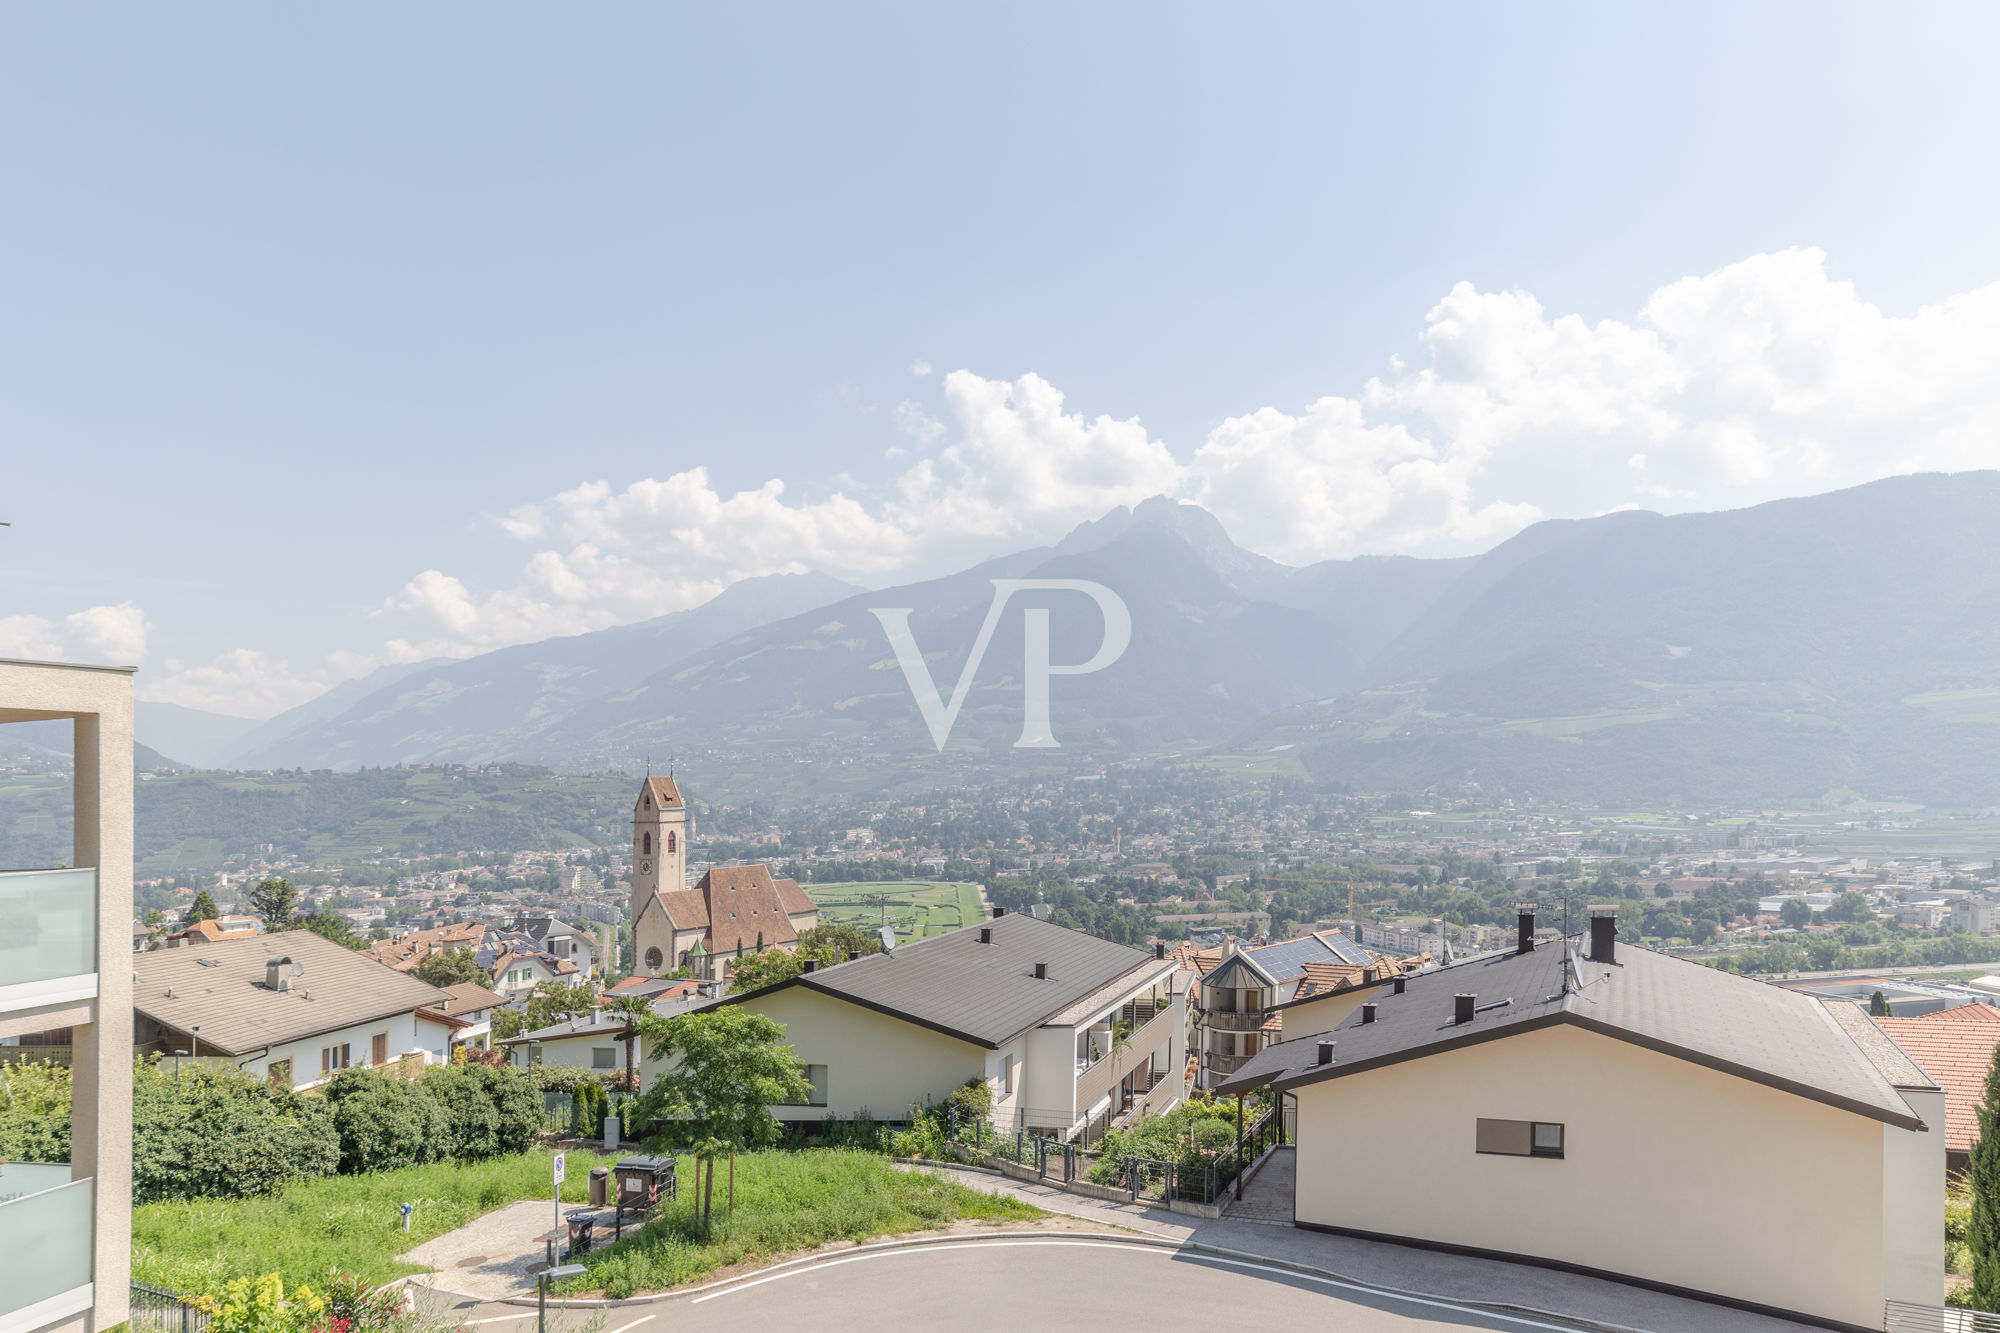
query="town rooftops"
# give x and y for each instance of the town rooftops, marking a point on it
(1708, 1017)
(985, 994)
(223, 989)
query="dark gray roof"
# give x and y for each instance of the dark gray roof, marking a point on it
(1748, 1028)
(982, 993)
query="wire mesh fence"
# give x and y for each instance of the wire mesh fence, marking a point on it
(157, 1311)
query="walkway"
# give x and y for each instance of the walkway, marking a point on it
(1267, 1194)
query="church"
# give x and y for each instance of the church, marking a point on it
(733, 911)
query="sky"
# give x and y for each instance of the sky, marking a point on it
(341, 337)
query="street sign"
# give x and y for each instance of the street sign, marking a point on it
(559, 1168)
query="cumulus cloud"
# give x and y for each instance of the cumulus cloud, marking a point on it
(101, 635)
(243, 682)
(1763, 379)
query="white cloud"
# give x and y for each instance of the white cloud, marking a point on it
(102, 635)
(920, 368)
(242, 683)
(1763, 379)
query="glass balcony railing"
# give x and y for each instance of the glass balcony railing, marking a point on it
(45, 1232)
(48, 924)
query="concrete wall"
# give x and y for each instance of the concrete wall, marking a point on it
(1912, 1220)
(1322, 1015)
(874, 1063)
(1670, 1170)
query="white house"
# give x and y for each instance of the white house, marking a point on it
(465, 1018)
(291, 1007)
(1630, 1115)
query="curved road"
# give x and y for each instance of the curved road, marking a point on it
(1008, 1284)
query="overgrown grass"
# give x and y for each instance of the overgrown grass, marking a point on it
(787, 1201)
(352, 1223)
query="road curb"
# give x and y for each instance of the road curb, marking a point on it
(1198, 1248)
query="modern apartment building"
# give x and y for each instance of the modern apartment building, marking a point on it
(66, 962)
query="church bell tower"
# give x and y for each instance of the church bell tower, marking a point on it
(659, 865)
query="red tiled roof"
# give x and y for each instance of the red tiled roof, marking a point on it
(733, 905)
(1955, 1047)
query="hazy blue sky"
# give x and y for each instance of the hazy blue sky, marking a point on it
(296, 306)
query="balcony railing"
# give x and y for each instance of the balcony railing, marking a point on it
(45, 1232)
(1216, 1022)
(48, 925)
(1107, 1073)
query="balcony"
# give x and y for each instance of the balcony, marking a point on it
(1222, 1065)
(1109, 1072)
(45, 1232)
(48, 935)
(1216, 1022)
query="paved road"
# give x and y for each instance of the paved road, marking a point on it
(1005, 1285)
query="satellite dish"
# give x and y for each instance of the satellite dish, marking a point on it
(888, 934)
(298, 969)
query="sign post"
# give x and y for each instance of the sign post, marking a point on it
(557, 1192)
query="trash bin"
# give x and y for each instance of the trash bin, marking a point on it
(642, 1180)
(600, 1186)
(579, 1232)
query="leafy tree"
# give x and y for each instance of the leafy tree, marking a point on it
(726, 1071)
(1824, 950)
(1795, 913)
(452, 967)
(327, 925)
(1849, 906)
(827, 945)
(1982, 1176)
(275, 902)
(633, 1010)
(34, 1112)
(203, 908)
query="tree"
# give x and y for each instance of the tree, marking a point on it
(329, 926)
(634, 1010)
(1878, 1005)
(275, 902)
(203, 908)
(726, 1071)
(1795, 912)
(826, 945)
(1849, 906)
(1982, 1176)
(451, 967)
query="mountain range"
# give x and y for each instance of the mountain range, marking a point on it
(1840, 645)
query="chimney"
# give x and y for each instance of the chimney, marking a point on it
(1399, 985)
(986, 934)
(1041, 971)
(1159, 949)
(1326, 1053)
(999, 912)
(853, 954)
(1461, 1007)
(1368, 1013)
(1524, 941)
(274, 973)
(809, 965)
(1604, 934)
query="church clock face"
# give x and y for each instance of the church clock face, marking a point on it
(645, 867)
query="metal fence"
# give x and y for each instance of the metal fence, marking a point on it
(157, 1311)
(1910, 1317)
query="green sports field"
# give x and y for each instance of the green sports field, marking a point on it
(916, 908)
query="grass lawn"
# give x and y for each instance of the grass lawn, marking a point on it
(346, 1222)
(787, 1201)
(915, 907)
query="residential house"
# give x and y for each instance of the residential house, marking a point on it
(465, 1018)
(64, 965)
(290, 1007)
(406, 952)
(210, 932)
(1611, 1111)
(1239, 994)
(558, 939)
(1955, 1047)
(1073, 1034)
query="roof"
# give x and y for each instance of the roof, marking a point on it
(1955, 1048)
(986, 994)
(736, 905)
(664, 793)
(238, 1014)
(404, 952)
(211, 931)
(596, 1023)
(1708, 1017)
(1286, 959)
(470, 997)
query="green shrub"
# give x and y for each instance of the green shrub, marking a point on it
(516, 1103)
(473, 1119)
(34, 1112)
(216, 1134)
(385, 1122)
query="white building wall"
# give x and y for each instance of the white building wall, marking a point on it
(1665, 1166)
(304, 1055)
(1912, 1220)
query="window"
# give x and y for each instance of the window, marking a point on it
(1006, 1076)
(604, 1057)
(1520, 1138)
(279, 1075)
(816, 1076)
(378, 1049)
(670, 840)
(652, 960)
(646, 844)
(332, 1058)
